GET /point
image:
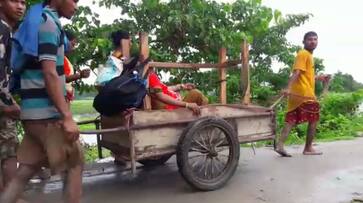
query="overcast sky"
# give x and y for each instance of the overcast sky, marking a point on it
(338, 24)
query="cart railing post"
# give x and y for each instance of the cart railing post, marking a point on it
(99, 147)
(132, 152)
(144, 54)
(223, 76)
(245, 74)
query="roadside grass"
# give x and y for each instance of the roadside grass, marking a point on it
(80, 107)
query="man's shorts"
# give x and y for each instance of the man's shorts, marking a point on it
(8, 139)
(45, 144)
(306, 112)
(8, 149)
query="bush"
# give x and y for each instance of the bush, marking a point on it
(91, 153)
(345, 104)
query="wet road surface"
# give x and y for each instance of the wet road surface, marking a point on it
(336, 176)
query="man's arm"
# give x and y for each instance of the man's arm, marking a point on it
(8, 106)
(56, 93)
(54, 87)
(77, 76)
(295, 75)
(323, 77)
(72, 78)
(12, 111)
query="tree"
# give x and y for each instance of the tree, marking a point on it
(193, 31)
(344, 83)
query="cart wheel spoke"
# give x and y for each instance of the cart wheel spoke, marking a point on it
(223, 155)
(211, 133)
(195, 163)
(205, 143)
(212, 171)
(221, 149)
(218, 166)
(215, 133)
(202, 151)
(200, 144)
(220, 141)
(210, 137)
(206, 167)
(202, 166)
(223, 164)
(218, 136)
(197, 156)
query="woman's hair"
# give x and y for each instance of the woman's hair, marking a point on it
(117, 36)
(46, 2)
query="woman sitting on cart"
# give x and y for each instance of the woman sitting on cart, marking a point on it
(114, 63)
(168, 97)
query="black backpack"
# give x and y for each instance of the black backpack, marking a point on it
(123, 92)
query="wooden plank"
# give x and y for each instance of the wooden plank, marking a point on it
(245, 74)
(223, 76)
(254, 126)
(182, 115)
(144, 54)
(169, 65)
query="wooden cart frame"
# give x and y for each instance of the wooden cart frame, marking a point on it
(150, 136)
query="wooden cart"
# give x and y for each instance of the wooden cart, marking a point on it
(207, 147)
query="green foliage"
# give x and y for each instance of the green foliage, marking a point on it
(340, 114)
(345, 104)
(344, 83)
(193, 31)
(91, 153)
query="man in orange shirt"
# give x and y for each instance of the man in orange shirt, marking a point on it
(71, 75)
(302, 103)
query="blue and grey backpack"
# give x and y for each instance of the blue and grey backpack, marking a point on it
(123, 92)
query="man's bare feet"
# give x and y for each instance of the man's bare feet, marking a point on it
(282, 152)
(312, 152)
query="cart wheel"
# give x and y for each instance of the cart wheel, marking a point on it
(155, 161)
(208, 153)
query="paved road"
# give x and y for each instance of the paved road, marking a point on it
(337, 176)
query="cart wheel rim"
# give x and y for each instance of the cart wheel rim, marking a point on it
(210, 153)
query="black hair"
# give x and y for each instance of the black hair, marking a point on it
(70, 35)
(117, 36)
(46, 2)
(310, 34)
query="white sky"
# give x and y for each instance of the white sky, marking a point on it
(336, 22)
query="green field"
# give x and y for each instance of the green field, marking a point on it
(79, 107)
(83, 110)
